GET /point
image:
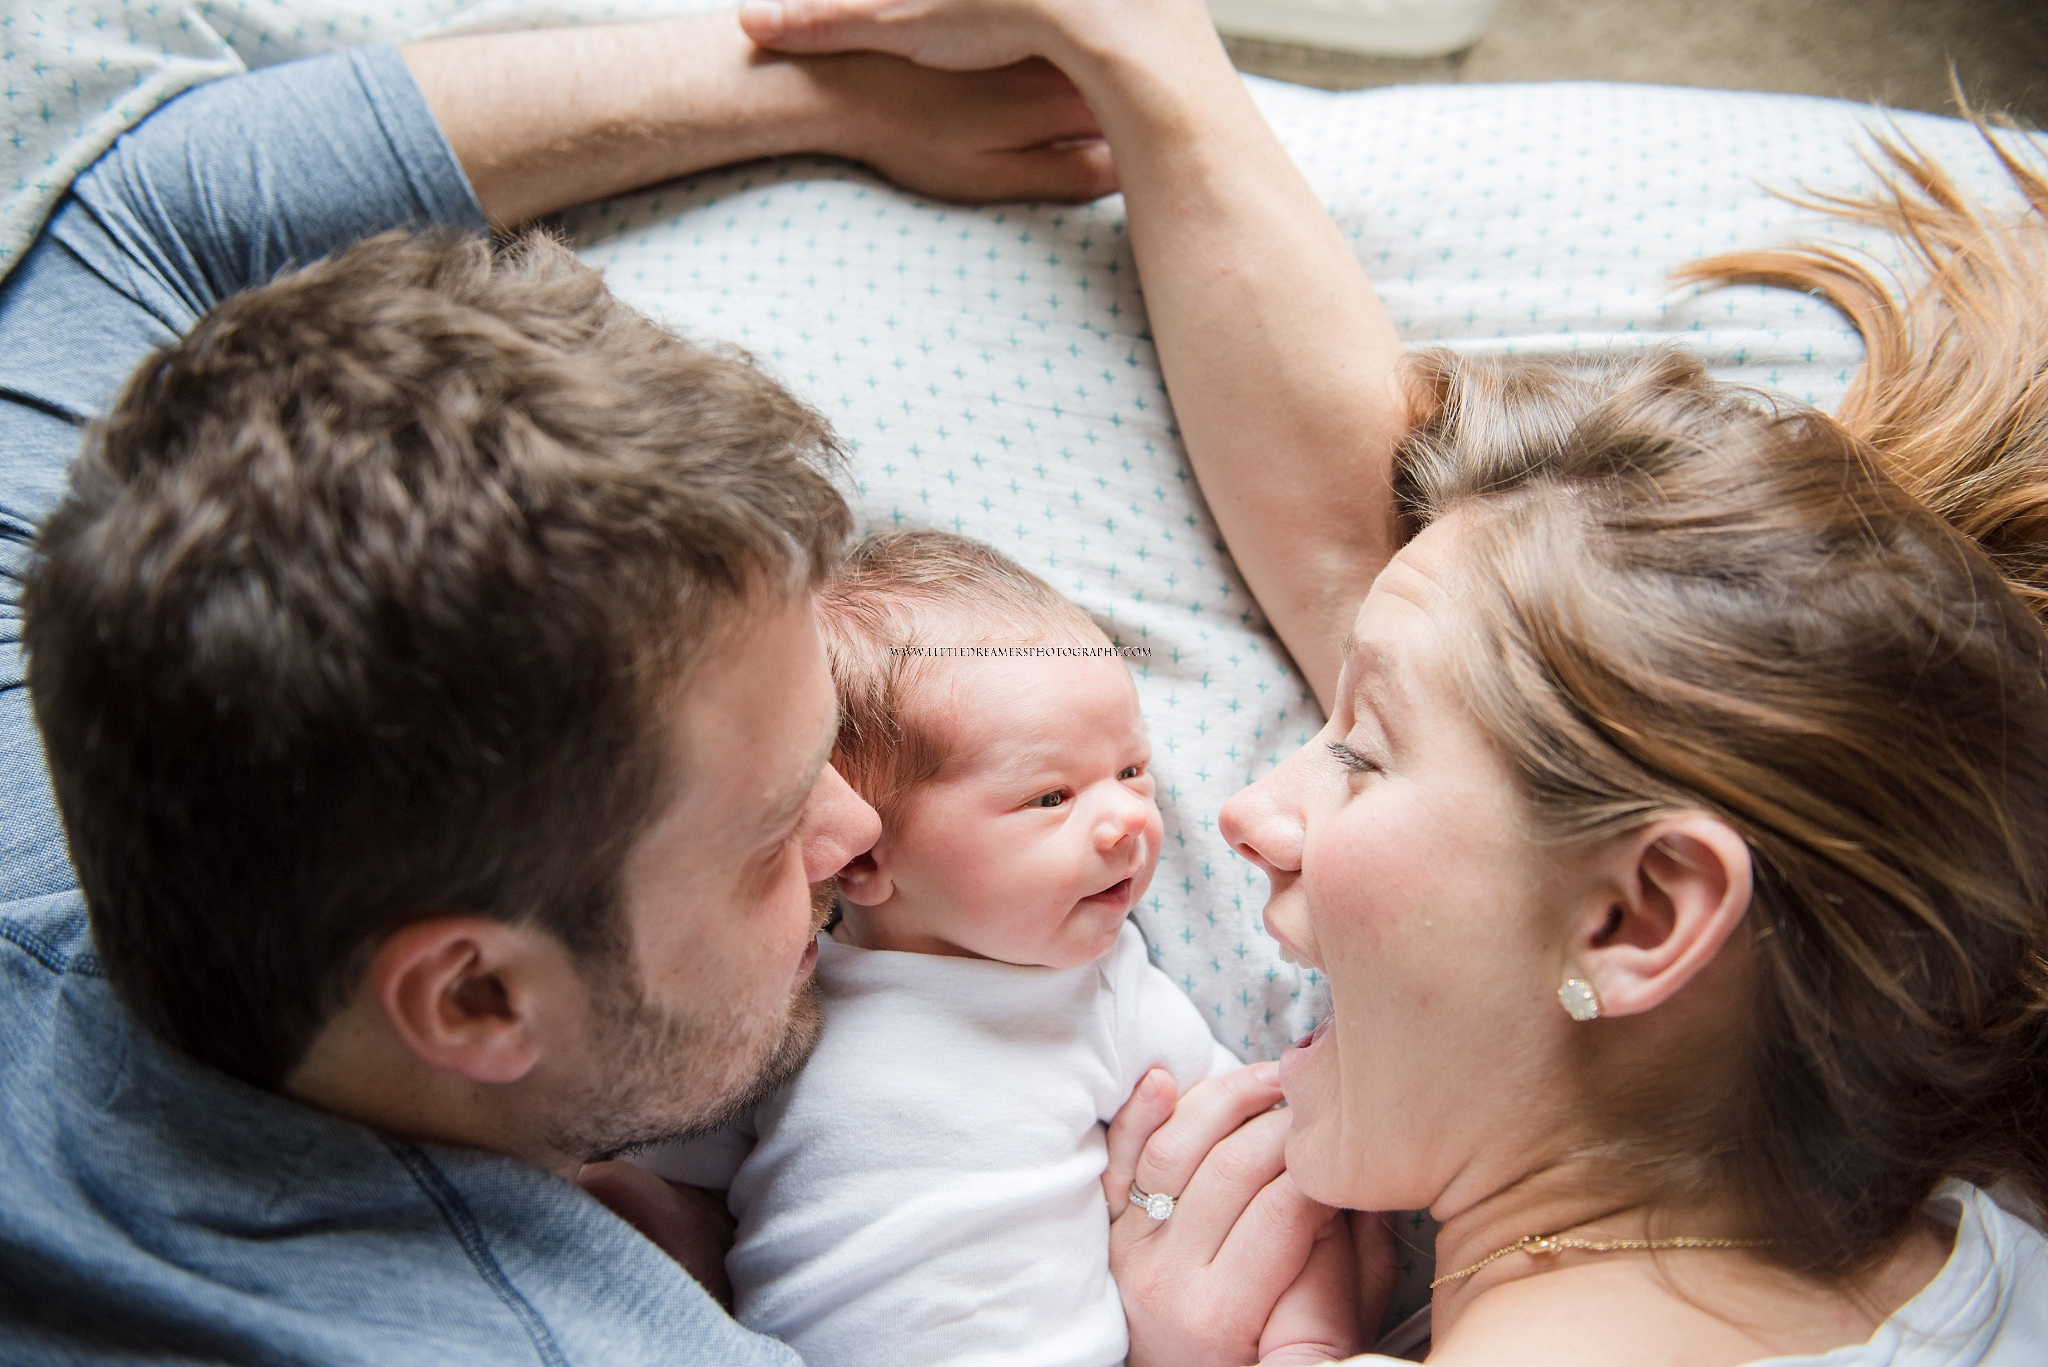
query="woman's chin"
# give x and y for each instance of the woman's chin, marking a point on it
(1309, 1165)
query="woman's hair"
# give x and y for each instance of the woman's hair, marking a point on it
(900, 600)
(1681, 595)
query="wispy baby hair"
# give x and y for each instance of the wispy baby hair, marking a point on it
(922, 589)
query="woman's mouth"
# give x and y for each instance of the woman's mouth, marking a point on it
(807, 962)
(1301, 1053)
(1288, 953)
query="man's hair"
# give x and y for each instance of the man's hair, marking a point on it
(896, 601)
(361, 609)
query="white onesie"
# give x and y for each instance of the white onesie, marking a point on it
(928, 1189)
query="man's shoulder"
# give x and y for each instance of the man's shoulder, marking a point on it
(43, 940)
(48, 934)
(157, 1204)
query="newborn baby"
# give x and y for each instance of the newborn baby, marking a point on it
(928, 1189)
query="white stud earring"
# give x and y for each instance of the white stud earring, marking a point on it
(1580, 1001)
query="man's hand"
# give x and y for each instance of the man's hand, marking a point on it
(689, 1224)
(1246, 1265)
(545, 119)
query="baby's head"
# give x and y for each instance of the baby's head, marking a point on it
(1015, 789)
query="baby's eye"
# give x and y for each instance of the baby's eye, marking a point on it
(1132, 771)
(1052, 799)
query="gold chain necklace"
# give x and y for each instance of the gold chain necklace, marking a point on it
(1537, 1245)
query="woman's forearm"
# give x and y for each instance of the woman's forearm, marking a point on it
(1281, 363)
(1282, 366)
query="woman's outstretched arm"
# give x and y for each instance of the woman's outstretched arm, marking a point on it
(1282, 366)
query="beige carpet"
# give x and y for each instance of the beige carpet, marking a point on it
(1895, 52)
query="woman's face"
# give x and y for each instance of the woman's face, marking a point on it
(1401, 872)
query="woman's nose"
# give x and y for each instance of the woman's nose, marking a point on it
(1263, 824)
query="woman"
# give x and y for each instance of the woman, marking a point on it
(1673, 854)
(1674, 847)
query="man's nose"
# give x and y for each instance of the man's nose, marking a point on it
(839, 825)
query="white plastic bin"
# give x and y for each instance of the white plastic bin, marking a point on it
(1394, 28)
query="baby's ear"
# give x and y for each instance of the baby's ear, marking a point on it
(865, 880)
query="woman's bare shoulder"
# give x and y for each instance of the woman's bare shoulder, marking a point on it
(1706, 1315)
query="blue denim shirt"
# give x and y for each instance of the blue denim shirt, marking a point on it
(152, 1209)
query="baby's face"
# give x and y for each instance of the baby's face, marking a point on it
(1041, 831)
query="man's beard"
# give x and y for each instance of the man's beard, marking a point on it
(659, 1076)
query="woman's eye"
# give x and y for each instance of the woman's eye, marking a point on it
(1132, 771)
(1051, 799)
(1351, 759)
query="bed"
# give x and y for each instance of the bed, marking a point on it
(991, 372)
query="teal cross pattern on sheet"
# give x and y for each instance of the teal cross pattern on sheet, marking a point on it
(991, 372)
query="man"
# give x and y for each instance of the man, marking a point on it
(430, 687)
(440, 727)
(427, 669)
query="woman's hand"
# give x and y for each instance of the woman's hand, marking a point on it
(958, 35)
(1246, 1266)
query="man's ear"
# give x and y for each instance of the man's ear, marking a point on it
(1672, 893)
(463, 993)
(866, 880)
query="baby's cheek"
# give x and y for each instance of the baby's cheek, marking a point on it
(990, 872)
(1155, 839)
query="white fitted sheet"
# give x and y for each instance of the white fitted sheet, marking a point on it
(992, 372)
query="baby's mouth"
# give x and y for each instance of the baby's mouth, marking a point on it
(1117, 894)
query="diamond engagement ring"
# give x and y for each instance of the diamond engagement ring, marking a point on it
(1158, 1205)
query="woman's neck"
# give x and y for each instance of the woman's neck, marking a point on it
(1573, 1197)
(1730, 1303)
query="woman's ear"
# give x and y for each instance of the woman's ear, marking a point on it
(866, 881)
(466, 994)
(1673, 892)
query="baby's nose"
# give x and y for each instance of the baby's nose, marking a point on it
(1123, 816)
